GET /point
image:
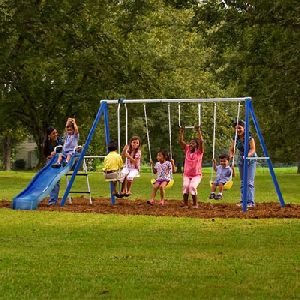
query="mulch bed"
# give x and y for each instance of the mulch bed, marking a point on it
(172, 208)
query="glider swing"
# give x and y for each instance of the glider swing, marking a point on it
(171, 182)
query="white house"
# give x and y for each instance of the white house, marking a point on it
(27, 151)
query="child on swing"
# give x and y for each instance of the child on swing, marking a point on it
(70, 143)
(223, 175)
(133, 154)
(113, 163)
(192, 174)
(163, 169)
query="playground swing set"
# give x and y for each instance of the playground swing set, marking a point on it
(33, 194)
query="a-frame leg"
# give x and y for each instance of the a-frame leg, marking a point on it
(246, 151)
(102, 110)
(262, 142)
(107, 140)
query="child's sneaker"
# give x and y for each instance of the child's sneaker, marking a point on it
(56, 166)
(162, 202)
(150, 202)
(218, 197)
(195, 206)
(212, 196)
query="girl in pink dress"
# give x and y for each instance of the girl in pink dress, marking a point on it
(192, 174)
(133, 155)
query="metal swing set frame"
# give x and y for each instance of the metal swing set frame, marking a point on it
(249, 112)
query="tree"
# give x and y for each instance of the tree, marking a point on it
(55, 63)
(256, 45)
(62, 57)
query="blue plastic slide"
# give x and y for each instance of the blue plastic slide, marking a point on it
(41, 185)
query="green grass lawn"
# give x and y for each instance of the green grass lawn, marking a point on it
(58, 255)
(13, 183)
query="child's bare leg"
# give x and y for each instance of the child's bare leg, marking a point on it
(220, 194)
(59, 159)
(68, 158)
(124, 183)
(221, 188)
(153, 193)
(58, 162)
(213, 188)
(162, 190)
(129, 184)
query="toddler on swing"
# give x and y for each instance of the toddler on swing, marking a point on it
(223, 175)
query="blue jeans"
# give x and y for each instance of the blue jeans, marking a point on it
(250, 183)
(54, 193)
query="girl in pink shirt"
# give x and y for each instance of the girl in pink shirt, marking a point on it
(192, 166)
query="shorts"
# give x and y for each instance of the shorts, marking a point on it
(160, 181)
(129, 173)
(66, 153)
(218, 182)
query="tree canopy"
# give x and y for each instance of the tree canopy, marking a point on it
(59, 58)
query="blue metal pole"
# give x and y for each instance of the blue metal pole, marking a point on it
(263, 145)
(107, 140)
(246, 151)
(85, 147)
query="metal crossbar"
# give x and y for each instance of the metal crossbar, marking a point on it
(257, 157)
(194, 100)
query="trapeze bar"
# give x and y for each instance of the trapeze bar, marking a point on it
(257, 157)
(176, 100)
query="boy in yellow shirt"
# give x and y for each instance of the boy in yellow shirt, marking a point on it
(113, 162)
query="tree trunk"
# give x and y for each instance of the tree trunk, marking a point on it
(39, 139)
(6, 152)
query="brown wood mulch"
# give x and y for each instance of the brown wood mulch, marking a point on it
(172, 208)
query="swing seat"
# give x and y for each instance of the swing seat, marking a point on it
(112, 176)
(169, 185)
(227, 185)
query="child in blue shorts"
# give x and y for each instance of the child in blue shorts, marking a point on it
(224, 174)
(70, 143)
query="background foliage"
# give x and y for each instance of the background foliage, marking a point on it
(60, 58)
